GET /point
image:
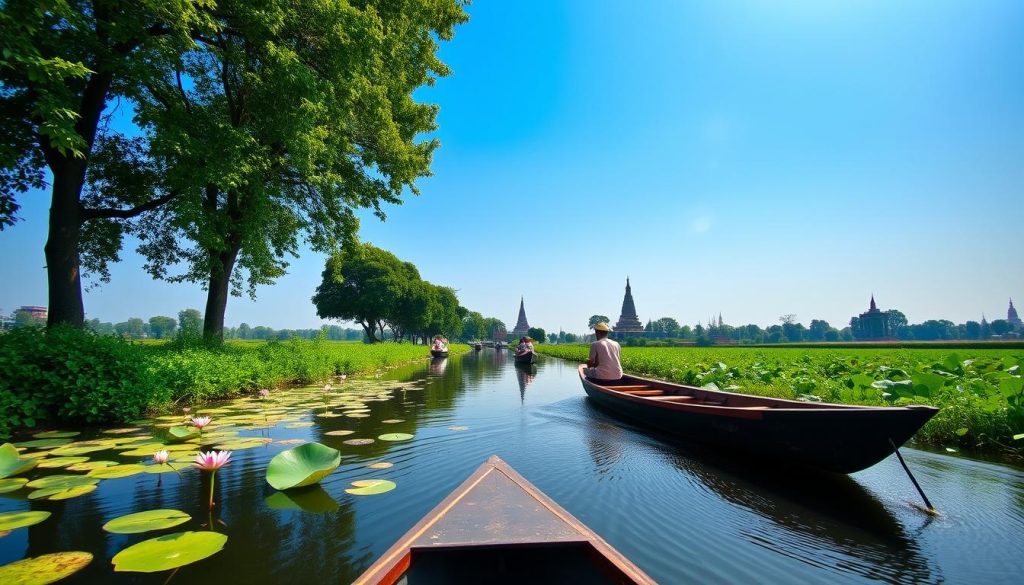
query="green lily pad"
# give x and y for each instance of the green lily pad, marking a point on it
(312, 500)
(395, 437)
(163, 468)
(71, 451)
(117, 471)
(44, 569)
(392, 421)
(43, 443)
(11, 463)
(177, 434)
(338, 433)
(240, 444)
(122, 431)
(91, 465)
(358, 441)
(61, 481)
(12, 520)
(301, 466)
(380, 465)
(61, 493)
(370, 487)
(56, 434)
(12, 484)
(357, 415)
(146, 521)
(55, 462)
(169, 552)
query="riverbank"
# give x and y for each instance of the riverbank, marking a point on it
(72, 377)
(980, 391)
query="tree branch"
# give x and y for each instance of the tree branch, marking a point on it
(103, 213)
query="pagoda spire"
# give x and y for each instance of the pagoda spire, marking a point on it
(522, 325)
(628, 320)
(873, 306)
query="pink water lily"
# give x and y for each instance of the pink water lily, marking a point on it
(186, 409)
(200, 421)
(264, 393)
(212, 461)
(161, 457)
(327, 387)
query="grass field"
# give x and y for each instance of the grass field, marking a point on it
(979, 391)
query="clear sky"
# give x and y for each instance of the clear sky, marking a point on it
(749, 158)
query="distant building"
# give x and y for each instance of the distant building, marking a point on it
(37, 312)
(522, 327)
(873, 324)
(1011, 316)
(628, 322)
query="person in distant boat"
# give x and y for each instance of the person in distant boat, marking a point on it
(525, 346)
(604, 363)
(439, 344)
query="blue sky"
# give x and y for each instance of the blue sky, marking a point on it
(749, 158)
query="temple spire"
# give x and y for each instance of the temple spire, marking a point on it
(628, 320)
(522, 325)
(873, 307)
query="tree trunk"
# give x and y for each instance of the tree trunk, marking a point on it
(217, 292)
(63, 274)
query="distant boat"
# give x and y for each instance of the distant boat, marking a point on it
(526, 358)
(834, 437)
(498, 528)
(478, 346)
(439, 353)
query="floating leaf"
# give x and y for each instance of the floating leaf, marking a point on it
(11, 463)
(313, 500)
(73, 451)
(169, 552)
(177, 434)
(357, 415)
(370, 487)
(290, 442)
(358, 441)
(301, 466)
(298, 425)
(12, 484)
(395, 437)
(56, 462)
(338, 433)
(61, 481)
(12, 520)
(146, 521)
(61, 493)
(121, 431)
(43, 443)
(240, 444)
(392, 421)
(161, 468)
(91, 465)
(117, 471)
(380, 465)
(44, 569)
(56, 434)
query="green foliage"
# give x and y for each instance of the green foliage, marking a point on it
(71, 376)
(595, 319)
(981, 398)
(537, 334)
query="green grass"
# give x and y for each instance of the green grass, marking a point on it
(980, 391)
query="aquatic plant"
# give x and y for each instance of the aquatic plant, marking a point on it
(169, 551)
(199, 422)
(212, 461)
(11, 462)
(302, 466)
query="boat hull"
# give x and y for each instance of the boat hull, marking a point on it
(526, 358)
(438, 353)
(832, 437)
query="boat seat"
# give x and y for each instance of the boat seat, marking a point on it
(627, 388)
(652, 392)
(673, 398)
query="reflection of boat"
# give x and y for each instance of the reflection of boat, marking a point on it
(526, 358)
(498, 528)
(439, 353)
(833, 437)
(478, 346)
(525, 374)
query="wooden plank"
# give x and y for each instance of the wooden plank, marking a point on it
(645, 392)
(673, 398)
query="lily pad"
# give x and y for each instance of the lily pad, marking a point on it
(301, 466)
(117, 471)
(370, 487)
(11, 463)
(169, 552)
(290, 442)
(357, 415)
(380, 465)
(122, 431)
(56, 434)
(358, 441)
(243, 443)
(70, 451)
(395, 437)
(392, 421)
(55, 462)
(12, 484)
(177, 434)
(146, 521)
(12, 520)
(298, 425)
(338, 433)
(313, 500)
(89, 466)
(61, 481)
(44, 569)
(61, 493)
(43, 443)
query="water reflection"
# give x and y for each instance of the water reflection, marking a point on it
(525, 373)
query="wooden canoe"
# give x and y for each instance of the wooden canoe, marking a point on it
(526, 358)
(834, 437)
(498, 528)
(439, 353)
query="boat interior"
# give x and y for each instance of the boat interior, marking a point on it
(673, 393)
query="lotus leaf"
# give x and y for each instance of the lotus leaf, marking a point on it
(241, 444)
(91, 465)
(117, 471)
(56, 462)
(338, 433)
(290, 442)
(12, 520)
(301, 466)
(177, 434)
(61, 481)
(164, 468)
(392, 421)
(11, 463)
(357, 415)
(146, 521)
(43, 443)
(56, 434)
(380, 465)
(358, 441)
(70, 451)
(370, 487)
(12, 484)
(395, 437)
(121, 431)
(313, 500)
(62, 493)
(44, 569)
(169, 552)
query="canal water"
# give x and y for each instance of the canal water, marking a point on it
(682, 513)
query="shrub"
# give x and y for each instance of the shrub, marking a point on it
(71, 376)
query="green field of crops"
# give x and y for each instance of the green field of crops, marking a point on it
(979, 390)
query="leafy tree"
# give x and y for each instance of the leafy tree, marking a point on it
(131, 328)
(23, 318)
(793, 332)
(897, 321)
(595, 319)
(570, 338)
(299, 113)
(190, 323)
(162, 327)
(495, 327)
(1000, 327)
(972, 330)
(817, 330)
(360, 284)
(62, 64)
(100, 328)
(244, 331)
(552, 338)
(832, 334)
(474, 326)
(446, 317)
(536, 333)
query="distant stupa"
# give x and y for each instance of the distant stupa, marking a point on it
(522, 325)
(1011, 316)
(628, 321)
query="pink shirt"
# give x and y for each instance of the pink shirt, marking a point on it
(609, 364)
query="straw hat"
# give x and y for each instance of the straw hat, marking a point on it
(602, 327)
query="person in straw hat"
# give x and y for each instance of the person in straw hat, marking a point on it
(604, 363)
